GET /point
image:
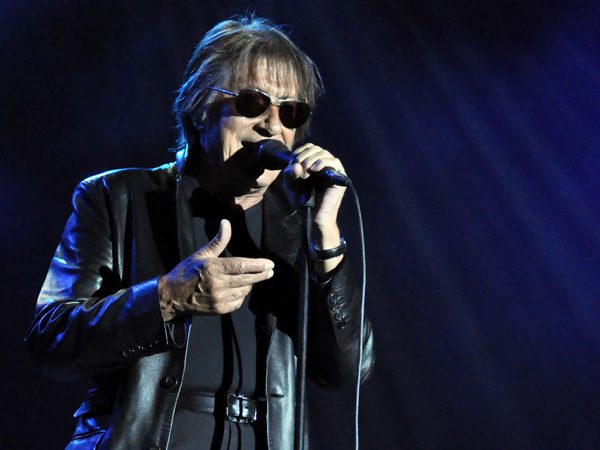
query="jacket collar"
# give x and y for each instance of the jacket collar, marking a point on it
(180, 158)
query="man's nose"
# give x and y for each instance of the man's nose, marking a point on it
(271, 122)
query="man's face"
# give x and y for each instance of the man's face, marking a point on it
(226, 132)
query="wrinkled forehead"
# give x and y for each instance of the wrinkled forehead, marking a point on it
(276, 73)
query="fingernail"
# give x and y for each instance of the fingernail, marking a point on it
(270, 274)
(269, 266)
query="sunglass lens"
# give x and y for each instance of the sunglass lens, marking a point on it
(250, 103)
(294, 114)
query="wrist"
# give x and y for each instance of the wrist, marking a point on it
(326, 255)
(325, 226)
(322, 254)
(326, 236)
(165, 300)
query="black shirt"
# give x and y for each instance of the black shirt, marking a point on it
(222, 349)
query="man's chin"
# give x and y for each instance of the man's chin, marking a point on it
(244, 183)
(246, 174)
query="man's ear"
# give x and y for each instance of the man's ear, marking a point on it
(191, 130)
(198, 120)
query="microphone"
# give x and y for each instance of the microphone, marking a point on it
(274, 155)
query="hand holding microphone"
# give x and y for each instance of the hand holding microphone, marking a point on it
(313, 165)
(274, 155)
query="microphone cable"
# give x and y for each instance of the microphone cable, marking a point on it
(362, 313)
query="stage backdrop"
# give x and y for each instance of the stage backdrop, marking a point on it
(471, 131)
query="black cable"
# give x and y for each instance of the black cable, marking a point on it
(362, 314)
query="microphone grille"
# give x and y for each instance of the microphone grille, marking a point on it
(273, 154)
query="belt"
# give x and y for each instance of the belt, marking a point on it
(227, 405)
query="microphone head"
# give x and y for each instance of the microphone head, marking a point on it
(272, 154)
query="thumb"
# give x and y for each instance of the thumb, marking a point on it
(218, 244)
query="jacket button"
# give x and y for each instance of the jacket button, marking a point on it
(127, 352)
(168, 382)
(332, 298)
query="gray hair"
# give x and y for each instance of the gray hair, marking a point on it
(233, 45)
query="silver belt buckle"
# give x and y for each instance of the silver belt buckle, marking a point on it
(240, 408)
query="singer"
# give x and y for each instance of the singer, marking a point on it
(174, 290)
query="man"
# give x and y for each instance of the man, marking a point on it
(174, 290)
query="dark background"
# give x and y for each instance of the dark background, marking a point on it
(470, 129)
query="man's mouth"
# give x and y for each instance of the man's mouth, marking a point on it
(244, 162)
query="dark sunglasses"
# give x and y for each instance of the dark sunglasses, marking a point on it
(252, 103)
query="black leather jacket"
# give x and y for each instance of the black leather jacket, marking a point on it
(98, 314)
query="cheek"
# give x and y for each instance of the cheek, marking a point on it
(211, 141)
(230, 134)
(288, 137)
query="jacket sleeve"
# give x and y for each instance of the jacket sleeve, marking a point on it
(88, 320)
(334, 336)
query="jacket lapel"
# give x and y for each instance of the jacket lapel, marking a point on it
(185, 219)
(281, 225)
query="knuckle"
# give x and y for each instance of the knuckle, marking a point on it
(221, 308)
(211, 284)
(208, 266)
(208, 305)
(243, 291)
